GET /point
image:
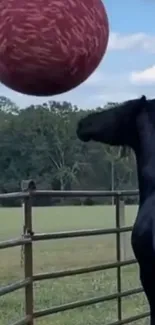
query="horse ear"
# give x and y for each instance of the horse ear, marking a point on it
(142, 104)
(143, 99)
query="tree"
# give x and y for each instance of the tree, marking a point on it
(40, 142)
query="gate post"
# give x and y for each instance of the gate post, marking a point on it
(28, 186)
(118, 257)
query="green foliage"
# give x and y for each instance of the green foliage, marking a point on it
(40, 142)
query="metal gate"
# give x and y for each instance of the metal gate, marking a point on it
(30, 236)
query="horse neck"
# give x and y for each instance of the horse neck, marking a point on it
(146, 171)
(144, 148)
(146, 184)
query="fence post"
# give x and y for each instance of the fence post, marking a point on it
(28, 186)
(118, 257)
(124, 235)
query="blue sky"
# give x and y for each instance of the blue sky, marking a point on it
(128, 68)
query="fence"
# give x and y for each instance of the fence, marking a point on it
(27, 194)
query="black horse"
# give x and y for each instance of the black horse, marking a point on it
(132, 124)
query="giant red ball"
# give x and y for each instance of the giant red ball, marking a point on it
(48, 47)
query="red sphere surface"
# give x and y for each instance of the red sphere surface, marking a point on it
(48, 47)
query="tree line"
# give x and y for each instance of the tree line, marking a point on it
(40, 143)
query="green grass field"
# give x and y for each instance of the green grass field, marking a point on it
(63, 254)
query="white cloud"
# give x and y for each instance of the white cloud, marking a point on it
(141, 41)
(143, 77)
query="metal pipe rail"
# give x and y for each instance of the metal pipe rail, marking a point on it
(82, 270)
(69, 194)
(83, 303)
(14, 286)
(14, 242)
(27, 242)
(79, 233)
(27, 239)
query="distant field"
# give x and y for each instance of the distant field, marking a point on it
(63, 254)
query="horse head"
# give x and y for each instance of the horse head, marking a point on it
(113, 126)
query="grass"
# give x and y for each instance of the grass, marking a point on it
(63, 254)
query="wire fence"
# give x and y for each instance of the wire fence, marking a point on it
(27, 195)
